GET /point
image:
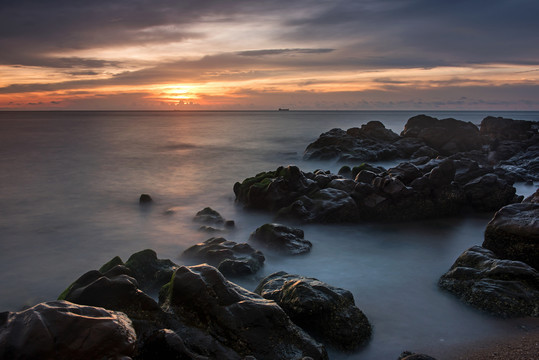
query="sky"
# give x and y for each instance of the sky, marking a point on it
(264, 55)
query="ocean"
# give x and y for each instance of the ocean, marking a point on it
(70, 184)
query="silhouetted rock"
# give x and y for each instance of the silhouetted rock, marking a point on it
(62, 330)
(145, 199)
(274, 189)
(209, 216)
(448, 136)
(151, 273)
(499, 128)
(371, 142)
(408, 355)
(434, 188)
(327, 313)
(229, 257)
(250, 325)
(114, 290)
(513, 233)
(281, 238)
(503, 287)
(165, 344)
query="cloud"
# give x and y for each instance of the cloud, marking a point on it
(283, 52)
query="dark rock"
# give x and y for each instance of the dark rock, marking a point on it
(273, 190)
(371, 142)
(345, 172)
(238, 319)
(165, 344)
(281, 238)
(513, 233)
(150, 272)
(346, 185)
(145, 199)
(503, 287)
(117, 292)
(405, 172)
(523, 166)
(448, 136)
(208, 215)
(326, 312)
(489, 193)
(229, 224)
(408, 355)
(498, 128)
(209, 229)
(365, 176)
(61, 330)
(229, 257)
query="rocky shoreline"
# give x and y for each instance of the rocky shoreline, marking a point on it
(148, 308)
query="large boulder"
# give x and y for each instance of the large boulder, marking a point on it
(371, 142)
(64, 331)
(448, 136)
(326, 312)
(243, 321)
(114, 290)
(273, 190)
(229, 257)
(502, 287)
(513, 233)
(281, 238)
(499, 128)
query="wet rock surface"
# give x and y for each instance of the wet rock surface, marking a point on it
(281, 238)
(250, 325)
(62, 330)
(502, 287)
(513, 233)
(150, 272)
(229, 257)
(326, 312)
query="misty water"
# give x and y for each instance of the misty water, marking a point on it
(70, 184)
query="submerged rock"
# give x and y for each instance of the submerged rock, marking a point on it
(513, 233)
(62, 330)
(229, 257)
(281, 238)
(327, 313)
(238, 319)
(408, 355)
(145, 199)
(208, 215)
(503, 287)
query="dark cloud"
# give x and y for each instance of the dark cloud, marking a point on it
(423, 33)
(265, 52)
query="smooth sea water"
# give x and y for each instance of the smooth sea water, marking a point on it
(69, 189)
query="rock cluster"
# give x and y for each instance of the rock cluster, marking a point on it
(408, 191)
(501, 277)
(200, 315)
(511, 145)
